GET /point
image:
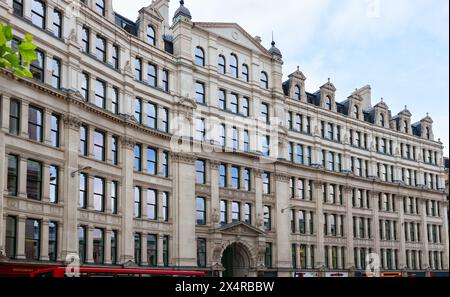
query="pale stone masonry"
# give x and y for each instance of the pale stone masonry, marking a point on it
(322, 186)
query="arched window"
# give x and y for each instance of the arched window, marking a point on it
(382, 121)
(428, 133)
(199, 56)
(264, 80)
(221, 65)
(405, 127)
(356, 112)
(151, 35)
(328, 103)
(245, 72)
(100, 7)
(297, 95)
(234, 65)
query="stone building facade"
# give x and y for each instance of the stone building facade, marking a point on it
(176, 144)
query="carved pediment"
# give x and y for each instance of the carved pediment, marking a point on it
(241, 229)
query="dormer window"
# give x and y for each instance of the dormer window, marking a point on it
(382, 120)
(221, 65)
(328, 103)
(297, 95)
(100, 7)
(428, 133)
(264, 80)
(234, 65)
(405, 127)
(245, 72)
(199, 56)
(151, 35)
(356, 112)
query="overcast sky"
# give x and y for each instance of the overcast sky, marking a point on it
(399, 47)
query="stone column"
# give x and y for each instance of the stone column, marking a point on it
(24, 119)
(144, 193)
(46, 183)
(44, 240)
(284, 260)
(402, 225)
(320, 223)
(445, 234)
(3, 178)
(108, 205)
(308, 257)
(349, 230)
(22, 177)
(159, 252)
(69, 242)
(376, 221)
(59, 235)
(185, 247)
(424, 232)
(20, 244)
(126, 240)
(90, 192)
(108, 233)
(47, 120)
(90, 244)
(339, 258)
(144, 257)
(259, 213)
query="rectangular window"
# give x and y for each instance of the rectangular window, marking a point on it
(200, 130)
(300, 159)
(152, 161)
(32, 239)
(38, 13)
(152, 77)
(165, 80)
(266, 182)
(248, 213)
(137, 248)
(115, 101)
(115, 56)
(14, 117)
(56, 73)
(11, 237)
(85, 85)
(222, 100)
(201, 252)
(83, 191)
(235, 177)
(267, 218)
(234, 103)
(100, 7)
(37, 66)
(99, 194)
(138, 69)
(114, 150)
(114, 196)
(57, 23)
(223, 175)
(152, 115)
(99, 145)
(82, 240)
(200, 93)
(246, 141)
(200, 172)
(152, 250)
(35, 124)
(268, 255)
(152, 204)
(98, 245)
(201, 210)
(223, 212)
(165, 206)
(85, 40)
(55, 130)
(164, 120)
(18, 7)
(100, 93)
(137, 202)
(52, 241)
(137, 158)
(83, 140)
(13, 175)
(235, 140)
(166, 251)
(114, 241)
(34, 180)
(54, 184)
(264, 112)
(165, 164)
(247, 180)
(235, 212)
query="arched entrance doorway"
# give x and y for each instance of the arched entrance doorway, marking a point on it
(236, 261)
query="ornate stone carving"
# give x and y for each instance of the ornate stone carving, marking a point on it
(72, 122)
(215, 165)
(128, 143)
(183, 158)
(282, 177)
(215, 216)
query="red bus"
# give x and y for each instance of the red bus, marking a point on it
(59, 272)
